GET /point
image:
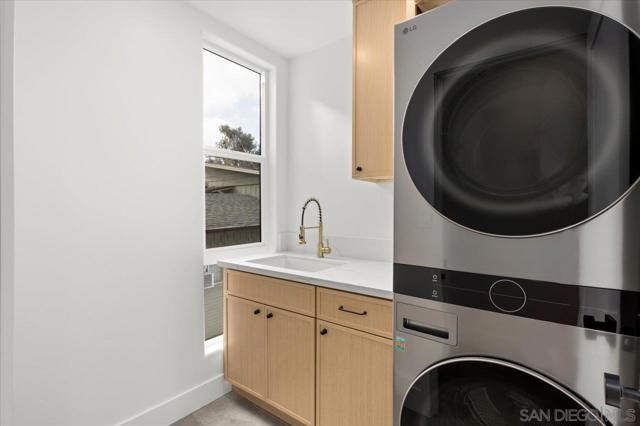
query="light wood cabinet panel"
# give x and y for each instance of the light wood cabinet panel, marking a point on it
(284, 361)
(364, 313)
(291, 364)
(373, 22)
(245, 345)
(296, 297)
(425, 5)
(354, 377)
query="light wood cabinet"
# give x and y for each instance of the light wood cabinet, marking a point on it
(354, 376)
(425, 5)
(291, 363)
(331, 371)
(296, 297)
(245, 340)
(363, 313)
(373, 22)
(270, 355)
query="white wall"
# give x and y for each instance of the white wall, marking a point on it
(109, 211)
(6, 211)
(357, 215)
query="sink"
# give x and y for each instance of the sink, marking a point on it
(297, 263)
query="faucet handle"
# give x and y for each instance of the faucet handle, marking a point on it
(301, 239)
(325, 247)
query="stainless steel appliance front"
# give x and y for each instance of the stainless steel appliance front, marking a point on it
(496, 359)
(527, 200)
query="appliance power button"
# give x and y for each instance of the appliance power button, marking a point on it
(507, 296)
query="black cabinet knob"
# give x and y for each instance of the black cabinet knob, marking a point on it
(269, 315)
(358, 168)
(256, 312)
(323, 331)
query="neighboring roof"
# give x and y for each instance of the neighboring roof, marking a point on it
(228, 210)
(232, 168)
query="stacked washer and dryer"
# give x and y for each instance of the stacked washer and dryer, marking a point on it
(517, 214)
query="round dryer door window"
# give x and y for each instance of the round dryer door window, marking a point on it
(486, 392)
(529, 123)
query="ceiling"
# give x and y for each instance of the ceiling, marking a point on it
(288, 27)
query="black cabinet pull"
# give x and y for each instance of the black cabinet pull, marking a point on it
(358, 168)
(269, 315)
(256, 312)
(343, 309)
(323, 331)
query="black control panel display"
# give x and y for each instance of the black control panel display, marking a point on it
(613, 311)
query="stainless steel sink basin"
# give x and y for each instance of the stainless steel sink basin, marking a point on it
(297, 263)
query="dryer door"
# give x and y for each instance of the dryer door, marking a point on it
(529, 123)
(489, 392)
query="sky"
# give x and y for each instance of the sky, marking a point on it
(231, 96)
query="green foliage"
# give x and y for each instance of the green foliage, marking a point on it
(237, 140)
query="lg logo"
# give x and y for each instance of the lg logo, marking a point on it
(407, 30)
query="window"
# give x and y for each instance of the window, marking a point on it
(233, 151)
(234, 159)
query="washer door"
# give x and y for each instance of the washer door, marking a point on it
(528, 124)
(488, 392)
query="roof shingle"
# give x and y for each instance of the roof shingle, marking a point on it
(228, 210)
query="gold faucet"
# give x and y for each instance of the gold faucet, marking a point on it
(322, 248)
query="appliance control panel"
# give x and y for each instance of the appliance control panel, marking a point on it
(601, 309)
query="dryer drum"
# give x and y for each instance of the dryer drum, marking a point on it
(528, 124)
(490, 392)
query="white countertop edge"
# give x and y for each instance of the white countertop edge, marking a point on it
(312, 278)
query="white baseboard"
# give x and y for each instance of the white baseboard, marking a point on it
(181, 405)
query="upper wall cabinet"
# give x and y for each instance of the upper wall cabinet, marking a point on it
(373, 22)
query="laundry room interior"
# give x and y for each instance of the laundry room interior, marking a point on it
(319, 212)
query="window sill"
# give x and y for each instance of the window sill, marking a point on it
(212, 255)
(214, 345)
(237, 247)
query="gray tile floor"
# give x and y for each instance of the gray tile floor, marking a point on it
(230, 410)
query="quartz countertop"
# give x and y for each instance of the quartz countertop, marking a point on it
(368, 277)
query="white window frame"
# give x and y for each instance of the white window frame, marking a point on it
(262, 158)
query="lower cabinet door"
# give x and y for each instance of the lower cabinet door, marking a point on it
(291, 364)
(245, 361)
(354, 377)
